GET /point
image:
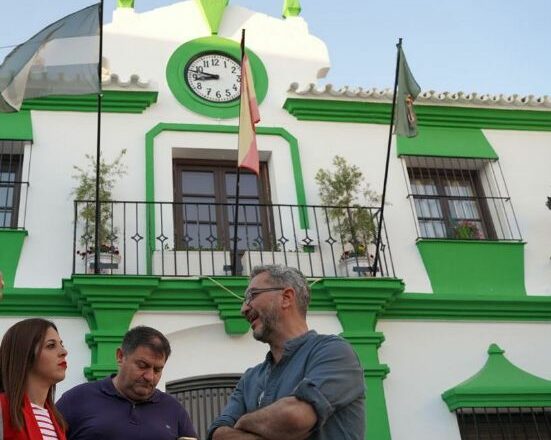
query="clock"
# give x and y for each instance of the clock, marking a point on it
(214, 77)
(204, 75)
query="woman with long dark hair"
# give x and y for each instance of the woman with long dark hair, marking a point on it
(32, 362)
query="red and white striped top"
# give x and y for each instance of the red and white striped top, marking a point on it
(44, 421)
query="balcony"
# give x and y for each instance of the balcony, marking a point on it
(196, 239)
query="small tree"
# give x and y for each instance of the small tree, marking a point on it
(85, 190)
(347, 194)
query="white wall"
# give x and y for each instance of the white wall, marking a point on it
(428, 358)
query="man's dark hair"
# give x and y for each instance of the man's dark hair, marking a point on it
(143, 336)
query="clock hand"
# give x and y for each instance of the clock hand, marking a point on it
(208, 75)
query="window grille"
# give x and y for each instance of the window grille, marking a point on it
(203, 397)
(504, 423)
(13, 186)
(457, 198)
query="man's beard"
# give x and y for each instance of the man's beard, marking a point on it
(268, 321)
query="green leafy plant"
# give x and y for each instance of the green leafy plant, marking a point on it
(85, 176)
(466, 230)
(347, 194)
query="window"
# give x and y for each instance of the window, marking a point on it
(205, 210)
(504, 423)
(11, 165)
(203, 397)
(462, 199)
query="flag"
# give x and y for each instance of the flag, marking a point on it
(408, 89)
(61, 59)
(248, 117)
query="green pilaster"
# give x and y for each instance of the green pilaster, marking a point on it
(108, 304)
(228, 305)
(291, 8)
(359, 302)
(11, 244)
(213, 11)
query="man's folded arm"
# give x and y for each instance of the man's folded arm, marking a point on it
(288, 418)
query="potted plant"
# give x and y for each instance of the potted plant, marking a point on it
(347, 195)
(466, 230)
(85, 191)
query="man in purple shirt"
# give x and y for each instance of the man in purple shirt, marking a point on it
(128, 405)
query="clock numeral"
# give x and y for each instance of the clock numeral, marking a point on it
(205, 63)
(228, 93)
(199, 86)
(218, 94)
(208, 91)
(215, 62)
(238, 78)
(194, 76)
(233, 69)
(225, 65)
(199, 69)
(234, 87)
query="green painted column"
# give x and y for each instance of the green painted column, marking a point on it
(108, 303)
(359, 302)
(228, 304)
(11, 244)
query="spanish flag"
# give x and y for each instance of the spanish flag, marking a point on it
(248, 117)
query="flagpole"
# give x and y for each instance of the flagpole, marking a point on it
(98, 147)
(383, 197)
(236, 214)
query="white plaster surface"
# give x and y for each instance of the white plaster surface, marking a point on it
(428, 358)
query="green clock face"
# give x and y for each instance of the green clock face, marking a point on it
(214, 76)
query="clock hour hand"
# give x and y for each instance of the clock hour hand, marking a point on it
(206, 75)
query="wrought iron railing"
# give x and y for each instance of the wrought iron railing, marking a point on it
(192, 239)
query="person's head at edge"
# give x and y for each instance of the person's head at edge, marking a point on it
(32, 361)
(276, 303)
(141, 359)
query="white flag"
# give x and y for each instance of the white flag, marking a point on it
(62, 59)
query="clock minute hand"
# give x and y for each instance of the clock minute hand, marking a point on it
(208, 75)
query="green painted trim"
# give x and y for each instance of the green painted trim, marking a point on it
(469, 307)
(36, 302)
(499, 384)
(475, 266)
(428, 115)
(125, 3)
(359, 302)
(11, 244)
(291, 8)
(16, 126)
(113, 101)
(108, 303)
(204, 128)
(213, 11)
(181, 91)
(446, 142)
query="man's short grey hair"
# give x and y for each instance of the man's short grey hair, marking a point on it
(287, 277)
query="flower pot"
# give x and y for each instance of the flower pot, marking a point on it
(108, 263)
(355, 267)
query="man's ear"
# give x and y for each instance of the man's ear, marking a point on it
(120, 356)
(288, 297)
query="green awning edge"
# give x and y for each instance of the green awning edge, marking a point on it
(447, 142)
(16, 126)
(499, 384)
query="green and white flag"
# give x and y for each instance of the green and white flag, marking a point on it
(408, 89)
(62, 59)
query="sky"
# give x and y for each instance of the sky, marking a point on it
(483, 46)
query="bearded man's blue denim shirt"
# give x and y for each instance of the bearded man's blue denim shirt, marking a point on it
(322, 370)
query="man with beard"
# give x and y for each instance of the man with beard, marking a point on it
(309, 387)
(127, 405)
